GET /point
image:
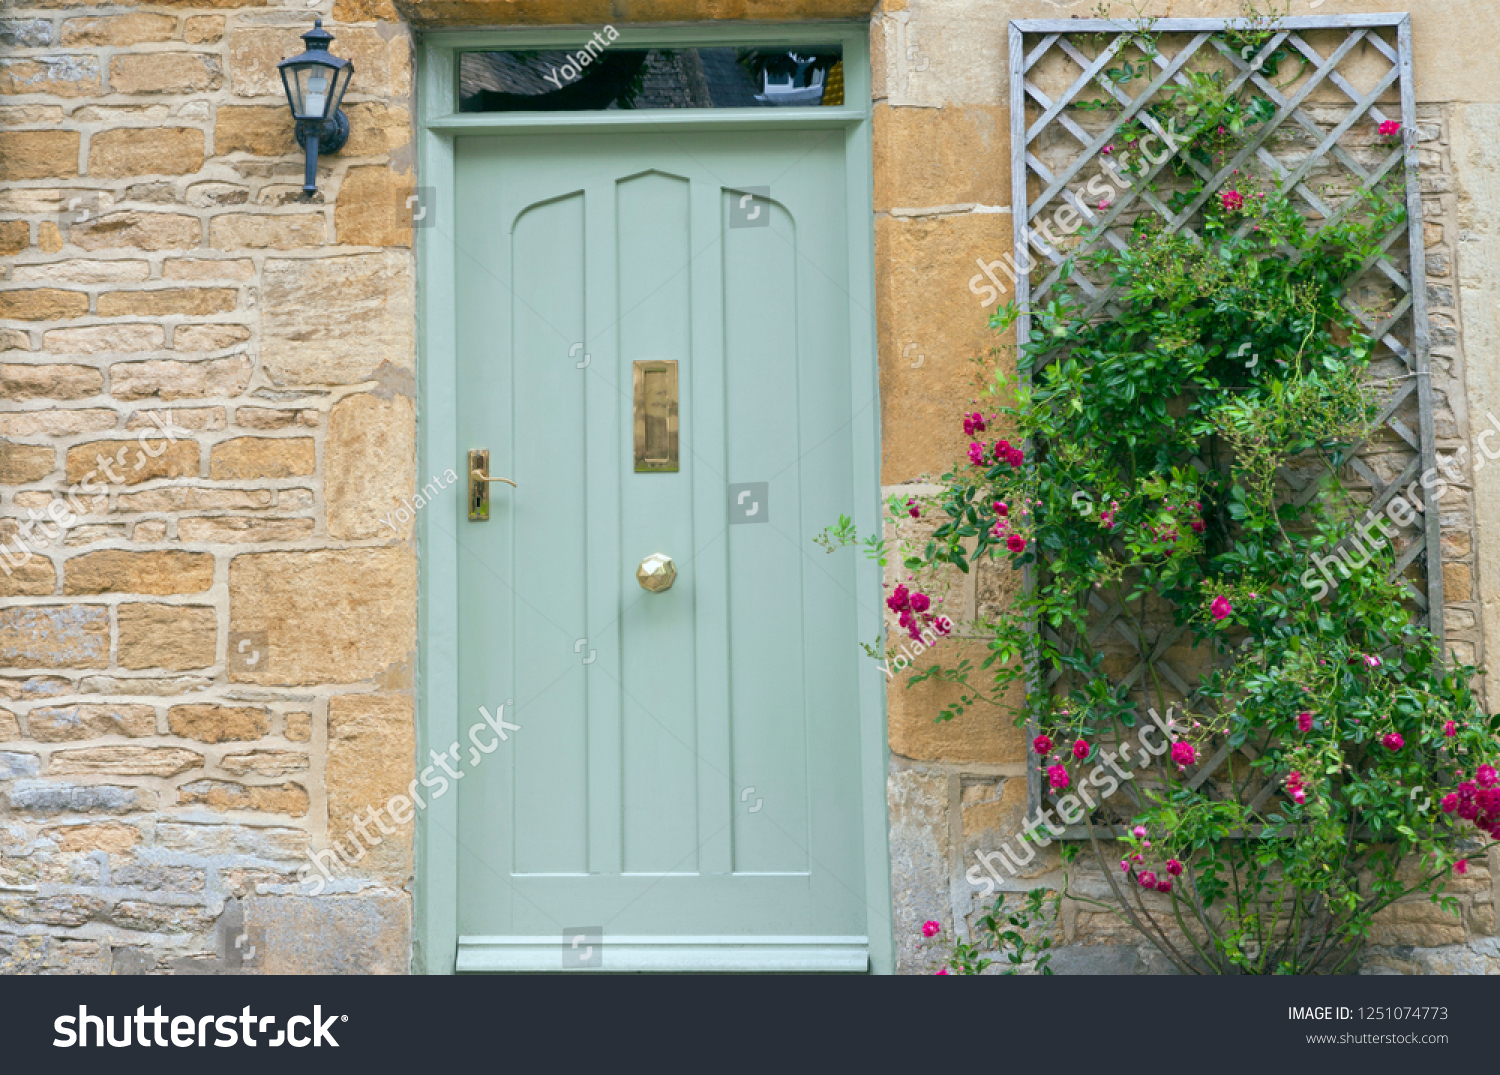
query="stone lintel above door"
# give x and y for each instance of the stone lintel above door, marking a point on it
(432, 14)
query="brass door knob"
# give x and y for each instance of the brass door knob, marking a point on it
(656, 573)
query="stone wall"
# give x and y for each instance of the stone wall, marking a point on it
(208, 672)
(209, 666)
(942, 188)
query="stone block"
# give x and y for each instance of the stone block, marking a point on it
(215, 841)
(50, 797)
(109, 836)
(371, 750)
(930, 326)
(15, 236)
(20, 383)
(372, 207)
(173, 637)
(131, 461)
(983, 733)
(78, 271)
(22, 463)
(208, 269)
(920, 846)
(130, 151)
(59, 75)
(168, 302)
(208, 337)
(267, 231)
(245, 458)
(168, 379)
(331, 616)
(266, 763)
(219, 723)
(105, 339)
(185, 418)
(66, 911)
(121, 571)
(241, 530)
(336, 320)
(35, 577)
(259, 130)
(124, 761)
(119, 31)
(149, 917)
(196, 498)
(14, 764)
(54, 636)
(57, 724)
(228, 795)
(377, 128)
(927, 157)
(133, 228)
(369, 464)
(203, 29)
(271, 418)
(43, 304)
(165, 72)
(56, 422)
(365, 934)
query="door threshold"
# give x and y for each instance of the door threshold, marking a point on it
(657, 955)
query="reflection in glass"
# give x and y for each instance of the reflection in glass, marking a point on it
(615, 78)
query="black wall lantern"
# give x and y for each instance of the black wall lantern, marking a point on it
(315, 83)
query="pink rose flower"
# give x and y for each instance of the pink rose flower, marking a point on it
(1392, 741)
(1461, 866)
(1041, 744)
(1174, 867)
(1015, 543)
(1183, 753)
(1304, 722)
(1220, 608)
(1148, 879)
(1450, 803)
(1057, 776)
(1486, 777)
(931, 928)
(1081, 750)
(1232, 200)
(1390, 127)
(1450, 729)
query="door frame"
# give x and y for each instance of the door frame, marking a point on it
(439, 124)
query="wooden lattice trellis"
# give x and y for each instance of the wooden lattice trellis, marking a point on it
(1355, 73)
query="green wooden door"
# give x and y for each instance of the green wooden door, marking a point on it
(685, 779)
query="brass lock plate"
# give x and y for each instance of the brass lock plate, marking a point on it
(479, 491)
(656, 416)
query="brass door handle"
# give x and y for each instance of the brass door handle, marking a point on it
(479, 484)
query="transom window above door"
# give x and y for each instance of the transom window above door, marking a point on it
(602, 76)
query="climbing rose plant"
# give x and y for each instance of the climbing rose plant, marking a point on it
(1140, 465)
